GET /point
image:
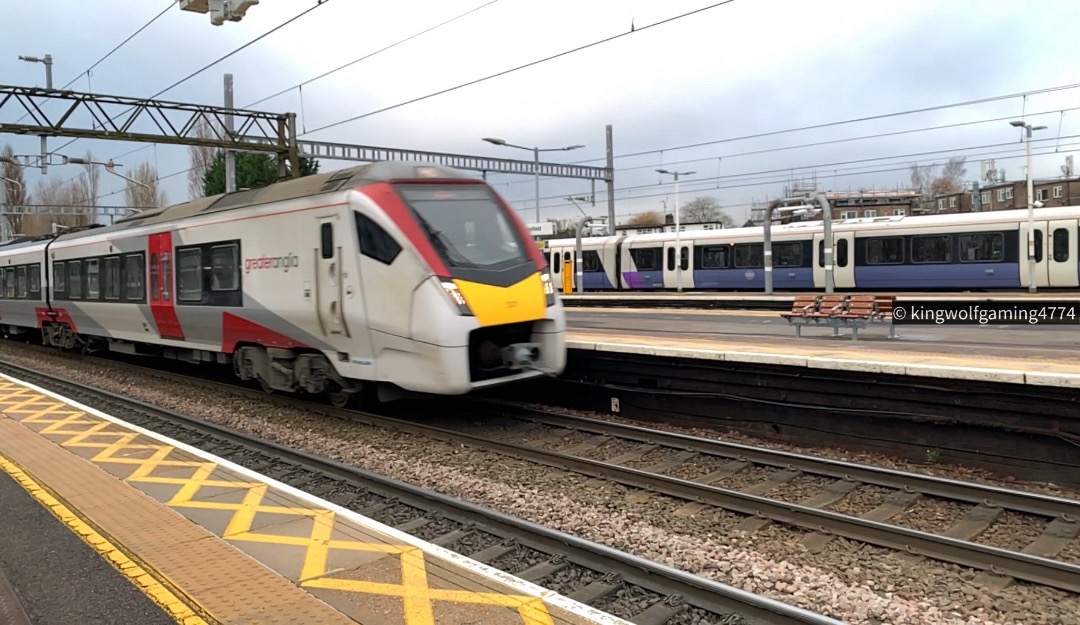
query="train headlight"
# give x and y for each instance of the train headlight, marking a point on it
(549, 288)
(454, 293)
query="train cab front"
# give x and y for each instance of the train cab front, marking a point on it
(491, 306)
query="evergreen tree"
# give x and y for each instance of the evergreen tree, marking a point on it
(252, 171)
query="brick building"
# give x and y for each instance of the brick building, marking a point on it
(1010, 195)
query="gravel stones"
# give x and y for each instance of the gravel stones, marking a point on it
(849, 581)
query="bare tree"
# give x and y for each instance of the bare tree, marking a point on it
(86, 186)
(704, 210)
(53, 197)
(648, 218)
(926, 181)
(14, 188)
(202, 157)
(142, 190)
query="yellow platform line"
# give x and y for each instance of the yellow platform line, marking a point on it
(149, 585)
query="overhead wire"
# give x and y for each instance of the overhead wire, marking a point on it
(371, 54)
(521, 67)
(273, 30)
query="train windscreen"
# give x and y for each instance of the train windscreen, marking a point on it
(466, 225)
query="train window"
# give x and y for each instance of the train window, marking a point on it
(326, 233)
(9, 283)
(556, 266)
(671, 259)
(590, 261)
(166, 276)
(936, 248)
(111, 280)
(684, 259)
(20, 282)
(189, 275)
(985, 247)
(840, 253)
(1038, 246)
(750, 255)
(375, 242)
(33, 274)
(1061, 245)
(787, 254)
(93, 279)
(59, 277)
(225, 267)
(74, 275)
(155, 283)
(714, 257)
(646, 259)
(885, 251)
(133, 277)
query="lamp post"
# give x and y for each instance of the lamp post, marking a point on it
(536, 156)
(47, 61)
(678, 234)
(1032, 288)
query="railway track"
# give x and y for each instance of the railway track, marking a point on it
(514, 545)
(997, 566)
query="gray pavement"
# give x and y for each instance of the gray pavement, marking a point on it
(1050, 342)
(57, 577)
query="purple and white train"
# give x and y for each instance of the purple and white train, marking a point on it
(968, 251)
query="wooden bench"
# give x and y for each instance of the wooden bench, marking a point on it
(842, 311)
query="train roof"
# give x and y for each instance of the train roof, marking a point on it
(306, 186)
(862, 223)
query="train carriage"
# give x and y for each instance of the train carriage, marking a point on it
(969, 251)
(395, 276)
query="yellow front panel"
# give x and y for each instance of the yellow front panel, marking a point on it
(496, 305)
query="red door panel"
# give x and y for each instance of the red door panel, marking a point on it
(162, 297)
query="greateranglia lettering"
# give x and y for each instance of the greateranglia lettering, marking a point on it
(283, 263)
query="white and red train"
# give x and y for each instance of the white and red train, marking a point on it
(392, 276)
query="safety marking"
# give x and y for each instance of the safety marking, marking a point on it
(175, 475)
(139, 577)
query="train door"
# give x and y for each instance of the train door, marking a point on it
(1062, 253)
(1042, 273)
(161, 292)
(676, 259)
(843, 260)
(328, 288)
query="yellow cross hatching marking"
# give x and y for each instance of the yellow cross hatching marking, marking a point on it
(116, 445)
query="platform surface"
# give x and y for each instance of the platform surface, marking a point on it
(1039, 355)
(210, 541)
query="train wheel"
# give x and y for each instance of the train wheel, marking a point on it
(265, 386)
(339, 398)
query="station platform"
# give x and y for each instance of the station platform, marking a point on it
(1041, 356)
(208, 541)
(778, 300)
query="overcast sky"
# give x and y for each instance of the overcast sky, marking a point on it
(746, 67)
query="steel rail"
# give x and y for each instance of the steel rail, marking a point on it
(697, 591)
(997, 496)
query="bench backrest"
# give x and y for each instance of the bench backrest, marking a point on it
(884, 304)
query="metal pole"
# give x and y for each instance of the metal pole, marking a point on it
(610, 183)
(768, 246)
(230, 156)
(678, 240)
(536, 156)
(578, 272)
(827, 210)
(48, 71)
(1031, 217)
